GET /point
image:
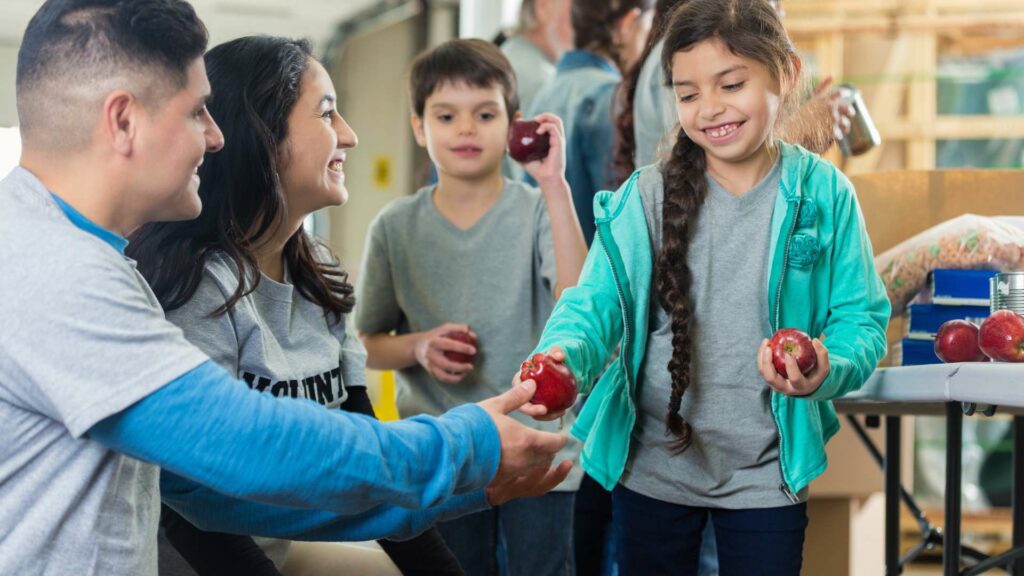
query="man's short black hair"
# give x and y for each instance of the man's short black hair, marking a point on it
(475, 62)
(70, 45)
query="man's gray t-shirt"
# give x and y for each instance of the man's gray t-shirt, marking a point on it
(733, 461)
(83, 339)
(532, 66)
(498, 276)
(276, 341)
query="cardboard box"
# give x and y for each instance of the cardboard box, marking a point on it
(900, 204)
(837, 521)
(926, 319)
(960, 287)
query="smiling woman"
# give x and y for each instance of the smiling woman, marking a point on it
(254, 290)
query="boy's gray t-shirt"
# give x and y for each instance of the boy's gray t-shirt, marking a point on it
(733, 461)
(420, 271)
(83, 339)
(276, 341)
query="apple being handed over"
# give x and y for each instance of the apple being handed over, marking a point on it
(556, 386)
(795, 343)
(464, 337)
(957, 341)
(1001, 336)
(524, 144)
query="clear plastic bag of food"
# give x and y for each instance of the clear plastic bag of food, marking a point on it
(965, 242)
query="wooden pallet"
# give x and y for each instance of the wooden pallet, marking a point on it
(891, 48)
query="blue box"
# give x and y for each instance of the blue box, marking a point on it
(924, 319)
(918, 352)
(960, 287)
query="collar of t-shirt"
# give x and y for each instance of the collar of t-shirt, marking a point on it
(574, 59)
(115, 241)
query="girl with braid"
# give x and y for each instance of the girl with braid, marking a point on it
(697, 261)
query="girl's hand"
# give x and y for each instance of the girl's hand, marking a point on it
(551, 169)
(430, 349)
(798, 384)
(539, 411)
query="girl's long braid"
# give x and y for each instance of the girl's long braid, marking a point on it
(685, 191)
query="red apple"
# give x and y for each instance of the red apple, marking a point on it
(556, 386)
(795, 343)
(1001, 336)
(524, 144)
(460, 357)
(957, 341)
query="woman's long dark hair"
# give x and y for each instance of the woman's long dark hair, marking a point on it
(750, 29)
(255, 82)
(623, 162)
(594, 20)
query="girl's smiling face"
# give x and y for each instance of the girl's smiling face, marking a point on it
(727, 104)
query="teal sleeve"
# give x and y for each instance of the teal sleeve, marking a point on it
(587, 320)
(858, 306)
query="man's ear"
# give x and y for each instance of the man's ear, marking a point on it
(517, 116)
(543, 11)
(417, 130)
(624, 24)
(120, 119)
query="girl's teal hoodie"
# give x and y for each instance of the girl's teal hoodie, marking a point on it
(821, 279)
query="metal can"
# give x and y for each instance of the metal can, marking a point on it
(863, 135)
(1006, 290)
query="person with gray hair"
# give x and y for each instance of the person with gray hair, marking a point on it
(99, 392)
(544, 33)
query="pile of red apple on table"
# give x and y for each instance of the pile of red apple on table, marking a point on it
(1000, 337)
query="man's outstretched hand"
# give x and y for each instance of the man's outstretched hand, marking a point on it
(525, 468)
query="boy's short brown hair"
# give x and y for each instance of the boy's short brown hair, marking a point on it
(476, 62)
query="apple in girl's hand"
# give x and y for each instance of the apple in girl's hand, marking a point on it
(1001, 336)
(524, 144)
(795, 343)
(957, 341)
(464, 337)
(556, 386)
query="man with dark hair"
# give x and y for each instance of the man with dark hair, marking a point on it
(98, 390)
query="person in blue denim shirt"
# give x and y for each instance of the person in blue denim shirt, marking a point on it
(609, 37)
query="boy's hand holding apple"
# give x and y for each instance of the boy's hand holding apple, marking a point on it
(446, 351)
(527, 139)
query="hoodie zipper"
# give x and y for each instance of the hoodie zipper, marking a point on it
(785, 264)
(778, 306)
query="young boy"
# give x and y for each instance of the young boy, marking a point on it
(468, 255)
